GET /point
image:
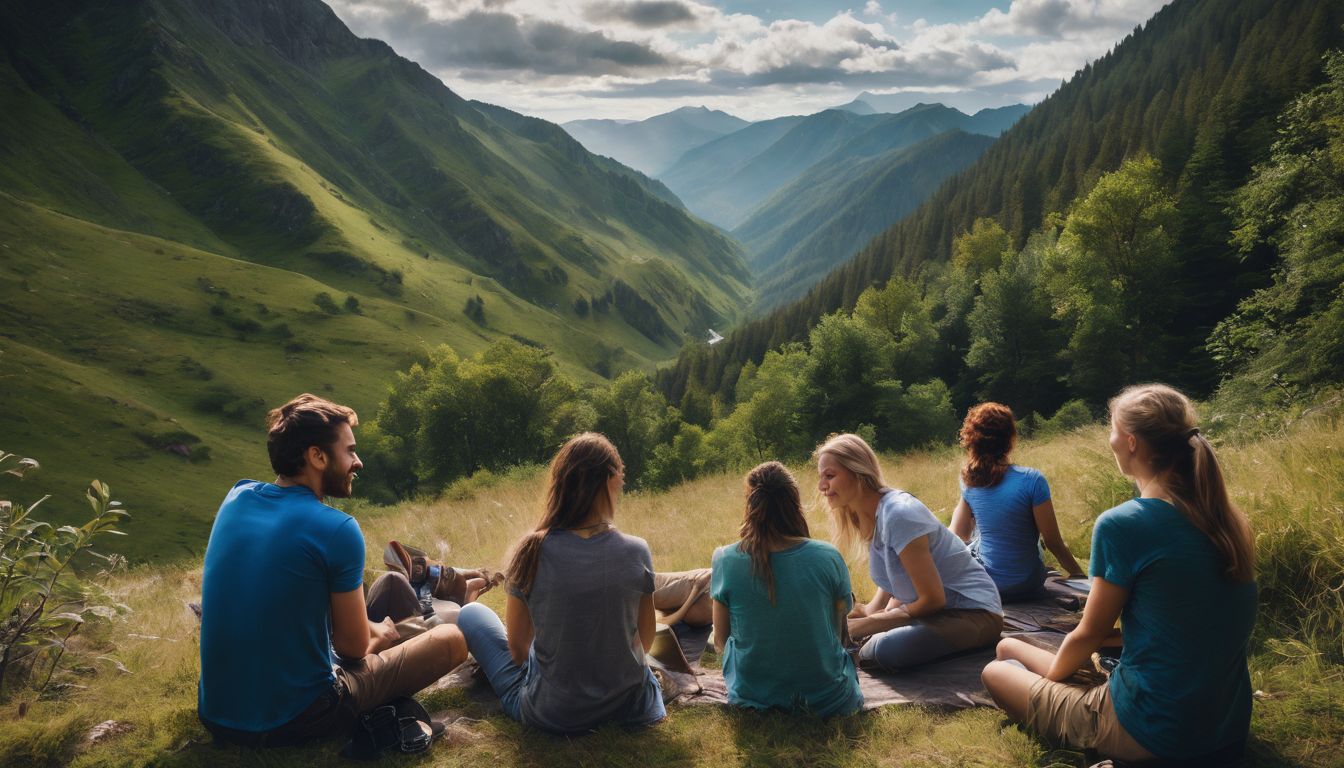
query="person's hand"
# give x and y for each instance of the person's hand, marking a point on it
(384, 635)
(858, 627)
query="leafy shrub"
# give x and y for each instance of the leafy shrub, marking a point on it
(1070, 416)
(43, 603)
(325, 303)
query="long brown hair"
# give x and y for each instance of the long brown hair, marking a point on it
(774, 512)
(987, 434)
(1165, 420)
(578, 477)
(853, 453)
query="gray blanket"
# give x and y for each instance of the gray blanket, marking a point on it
(953, 682)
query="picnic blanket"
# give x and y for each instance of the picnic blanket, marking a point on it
(953, 682)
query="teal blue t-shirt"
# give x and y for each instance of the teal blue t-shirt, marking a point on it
(1182, 689)
(787, 655)
(274, 558)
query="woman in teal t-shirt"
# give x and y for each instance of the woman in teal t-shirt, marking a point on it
(1175, 565)
(780, 599)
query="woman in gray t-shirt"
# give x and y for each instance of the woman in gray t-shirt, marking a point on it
(579, 608)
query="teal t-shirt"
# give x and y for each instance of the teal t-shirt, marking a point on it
(1182, 689)
(787, 655)
(274, 558)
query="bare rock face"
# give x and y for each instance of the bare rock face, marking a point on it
(107, 729)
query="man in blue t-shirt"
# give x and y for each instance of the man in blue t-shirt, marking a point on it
(281, 590)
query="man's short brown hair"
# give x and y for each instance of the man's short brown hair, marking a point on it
(302, 422)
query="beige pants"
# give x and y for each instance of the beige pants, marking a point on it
(398, 671)
(1082, 717)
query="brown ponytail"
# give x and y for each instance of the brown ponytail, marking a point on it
(774, 512)
(1165, 420)
(579, 473)
(987, 434)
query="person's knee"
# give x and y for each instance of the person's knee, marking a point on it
(471, 615)
(449, 642)
(1006, 649)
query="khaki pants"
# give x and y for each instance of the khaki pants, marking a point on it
(1082, 717)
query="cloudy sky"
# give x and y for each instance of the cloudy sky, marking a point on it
(568, 59)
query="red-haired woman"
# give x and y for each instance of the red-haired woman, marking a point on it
(579, 608)
(1176, 565)
(1005, 510)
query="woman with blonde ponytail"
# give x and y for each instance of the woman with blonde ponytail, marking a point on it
(1176, 566)
(579, 609)
(779, 602)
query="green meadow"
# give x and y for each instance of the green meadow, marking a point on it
(141, 669)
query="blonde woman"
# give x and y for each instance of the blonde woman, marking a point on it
(933, 598)
(1176, 566)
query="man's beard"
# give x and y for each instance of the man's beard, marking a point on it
(337, 484)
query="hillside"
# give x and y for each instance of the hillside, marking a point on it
(1199, 88)
(208, 207)
(829, 212)
(654, 144)
(727, 192)
(1294, 659)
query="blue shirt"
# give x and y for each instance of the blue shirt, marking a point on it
(787, 655)
(1182, 689)
(901, 518)
(274, 558)
(1007, 525)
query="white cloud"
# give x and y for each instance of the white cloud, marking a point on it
(622, 58)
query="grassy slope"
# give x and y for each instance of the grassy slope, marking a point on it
(141, 276)
(1293, 481)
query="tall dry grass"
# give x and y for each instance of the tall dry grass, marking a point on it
(1291, 484)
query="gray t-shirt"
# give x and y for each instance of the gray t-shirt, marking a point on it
(586, 665)
(901, 518)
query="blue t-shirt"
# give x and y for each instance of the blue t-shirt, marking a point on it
(787, 655)
(1182, 689)
(901, 518)
(275, 557)
(1007, 526)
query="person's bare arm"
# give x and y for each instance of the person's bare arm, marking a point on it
(648, 622)
(518, 624)
(929, 594)
(880, 602)
(1048, 525)
(963, 521)
(352, 634)
(1104, 603)
(722, 626)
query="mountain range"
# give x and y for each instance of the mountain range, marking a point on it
(654, 144)
(725, 180)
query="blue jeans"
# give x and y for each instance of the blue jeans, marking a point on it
(489, 643)
(931, 637)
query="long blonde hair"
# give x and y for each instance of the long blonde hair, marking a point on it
(579, 475)
(854, 454)
(1166, 421)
